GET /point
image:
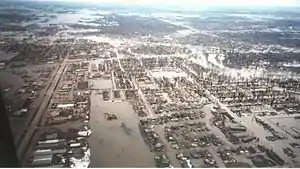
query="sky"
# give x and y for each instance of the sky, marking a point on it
(196, 3)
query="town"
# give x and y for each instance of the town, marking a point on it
(145, 102)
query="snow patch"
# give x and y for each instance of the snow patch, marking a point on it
(83, 162)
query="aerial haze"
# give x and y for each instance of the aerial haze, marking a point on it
(142, 83)
(193, 3)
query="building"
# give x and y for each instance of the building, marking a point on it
(41, 152)
(44, 160)
(65, 106)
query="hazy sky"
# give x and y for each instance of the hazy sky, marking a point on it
(198, 3)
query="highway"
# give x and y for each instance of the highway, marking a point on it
(18, 138)
(23, 147)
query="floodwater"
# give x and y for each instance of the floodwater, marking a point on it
(101, 84)
(6, 56)
(116, 143)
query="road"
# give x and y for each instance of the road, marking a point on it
(18, 138)
(113, 80)
(23, 147)
(146, 103)
(118, 58)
